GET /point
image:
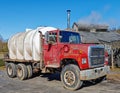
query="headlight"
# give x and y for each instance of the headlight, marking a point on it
(84, 60)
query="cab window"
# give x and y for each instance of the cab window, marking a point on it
(69, 37)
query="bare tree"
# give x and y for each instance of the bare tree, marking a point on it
(3, 45)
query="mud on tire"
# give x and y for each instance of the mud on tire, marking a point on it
(22, 71)
(11, 69)
(30, 71)
(70, 77)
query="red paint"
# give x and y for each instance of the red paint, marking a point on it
(55, 53)
(106, 58)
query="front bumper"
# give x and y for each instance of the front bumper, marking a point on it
(94, 73)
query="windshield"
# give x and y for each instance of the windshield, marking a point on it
(69, 37)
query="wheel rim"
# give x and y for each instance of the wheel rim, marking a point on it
(69, 78)
(10, 70)
(19, 72)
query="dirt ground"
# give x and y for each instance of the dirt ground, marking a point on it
(50, 83)
(114, 75)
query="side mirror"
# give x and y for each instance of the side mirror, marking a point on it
(51, 40)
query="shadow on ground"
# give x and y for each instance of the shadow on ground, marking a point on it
(49, 76)
(56, 76)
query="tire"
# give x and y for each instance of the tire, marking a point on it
(22, 71)
(30, 71)
(70, 77)
(11, 69)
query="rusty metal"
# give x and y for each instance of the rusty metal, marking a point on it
(41, 51)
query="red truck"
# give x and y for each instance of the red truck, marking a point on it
(48, 49)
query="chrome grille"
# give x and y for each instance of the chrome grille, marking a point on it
(96, 56)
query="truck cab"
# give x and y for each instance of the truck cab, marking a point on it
(57, 46)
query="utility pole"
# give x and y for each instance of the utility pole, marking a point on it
(112, 58)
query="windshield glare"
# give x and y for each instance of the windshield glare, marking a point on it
(69, 37)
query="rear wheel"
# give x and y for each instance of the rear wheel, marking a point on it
(22, 71)
(11, 69)
(30, 71)
(70, 77)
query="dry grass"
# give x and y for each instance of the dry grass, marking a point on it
(114, 74)
(2, 64)
(2, 68)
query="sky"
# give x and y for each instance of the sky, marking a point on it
(17, 15)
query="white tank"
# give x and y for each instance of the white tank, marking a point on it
(26, 45)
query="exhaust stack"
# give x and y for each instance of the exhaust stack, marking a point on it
(68, 19)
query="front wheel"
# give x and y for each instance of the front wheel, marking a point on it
(70, 77)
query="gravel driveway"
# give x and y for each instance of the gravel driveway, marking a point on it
(50, 83)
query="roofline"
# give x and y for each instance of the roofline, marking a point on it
(74, 24)
(89, 26)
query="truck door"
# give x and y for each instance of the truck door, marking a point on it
(51, 49)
